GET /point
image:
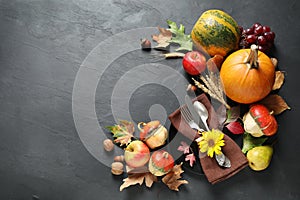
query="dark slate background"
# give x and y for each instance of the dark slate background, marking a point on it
(43, 44)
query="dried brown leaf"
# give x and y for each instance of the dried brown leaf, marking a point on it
(129, 126)
(150, 179)
(172, 178)
(174, 185)
(134, 179)
(279, 79)
(163, 38)
(275, 103)
(123, 140)
(274, 61)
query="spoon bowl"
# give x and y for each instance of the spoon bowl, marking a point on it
(202, 112)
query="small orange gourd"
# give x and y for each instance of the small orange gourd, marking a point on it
(160, 163)
(247, 75)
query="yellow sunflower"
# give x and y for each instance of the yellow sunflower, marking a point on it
(211, 142)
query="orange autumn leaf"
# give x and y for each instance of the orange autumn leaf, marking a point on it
(279, 79)
(172, 178)
(134, 179)
(275, 103)
(163, 38)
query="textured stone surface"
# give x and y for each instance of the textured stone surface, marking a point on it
(43, 44)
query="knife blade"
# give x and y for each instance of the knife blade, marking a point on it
(196, 117)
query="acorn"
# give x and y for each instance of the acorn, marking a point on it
(145, 44)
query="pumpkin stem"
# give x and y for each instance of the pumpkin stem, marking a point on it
(140, 125)
(165, 154)
(253, 57)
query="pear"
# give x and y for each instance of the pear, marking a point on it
(260, 157)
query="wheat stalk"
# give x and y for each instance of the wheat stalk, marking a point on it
(213, 90)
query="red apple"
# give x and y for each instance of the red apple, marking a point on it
(137, 154)
(259, 121)
(194, 62)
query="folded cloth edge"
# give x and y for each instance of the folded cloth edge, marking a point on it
(213, 172)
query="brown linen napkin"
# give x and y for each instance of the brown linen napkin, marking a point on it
(214, 173)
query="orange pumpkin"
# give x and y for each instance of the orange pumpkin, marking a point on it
(247, 75)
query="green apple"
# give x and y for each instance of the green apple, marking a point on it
(137, 154)
(260, 157)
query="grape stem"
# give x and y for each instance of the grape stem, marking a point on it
(253, 57)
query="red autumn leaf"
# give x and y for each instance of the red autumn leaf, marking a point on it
(233, 114)
(235, 128)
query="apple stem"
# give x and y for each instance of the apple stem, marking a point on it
(195, 56)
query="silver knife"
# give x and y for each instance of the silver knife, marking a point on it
(196, 117)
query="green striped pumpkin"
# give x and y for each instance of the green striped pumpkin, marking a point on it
(216, 32)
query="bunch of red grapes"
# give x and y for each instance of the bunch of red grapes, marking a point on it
(258, 34)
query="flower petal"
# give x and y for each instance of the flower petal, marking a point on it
(210, 152)
(203, 146)
(213, 138)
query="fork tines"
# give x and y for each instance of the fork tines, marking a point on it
(187, 116)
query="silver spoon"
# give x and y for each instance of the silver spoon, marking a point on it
(203, 113)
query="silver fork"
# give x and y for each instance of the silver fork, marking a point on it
(187, 116)
(221, 159)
